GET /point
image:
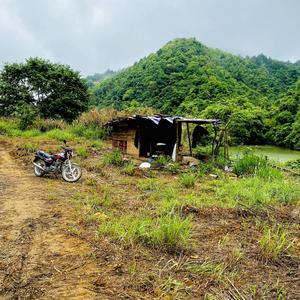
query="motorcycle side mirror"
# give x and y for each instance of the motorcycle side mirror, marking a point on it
(65, 142)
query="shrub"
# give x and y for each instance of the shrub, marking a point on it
(274, 243)
(114, 158)
(188, 180)
(27, 114)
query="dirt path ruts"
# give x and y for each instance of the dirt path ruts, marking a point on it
(38, 259)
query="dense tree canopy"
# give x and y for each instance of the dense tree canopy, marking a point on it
(97, 77)
(51, 90)
(286, 119)
(187, 78)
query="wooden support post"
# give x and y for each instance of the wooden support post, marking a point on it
(189, 137)
(226, 146)
(177, 139)
(213, 144)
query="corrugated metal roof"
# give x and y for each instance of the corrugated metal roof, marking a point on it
(157, 118)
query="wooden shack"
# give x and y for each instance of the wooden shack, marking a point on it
(123, 136)
(143, 136)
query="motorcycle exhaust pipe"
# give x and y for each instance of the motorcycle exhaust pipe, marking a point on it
(39, 167)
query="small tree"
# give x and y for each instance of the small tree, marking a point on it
(27, 115)
(53, 90)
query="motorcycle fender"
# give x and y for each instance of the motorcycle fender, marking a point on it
(65, 165)
(37, 158)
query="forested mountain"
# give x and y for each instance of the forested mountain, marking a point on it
(187, 78)
(97, 77)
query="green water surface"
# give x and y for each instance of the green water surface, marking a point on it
(272, 152)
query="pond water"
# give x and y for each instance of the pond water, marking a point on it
(274, 153)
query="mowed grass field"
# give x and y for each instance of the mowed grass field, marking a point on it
(174, 232)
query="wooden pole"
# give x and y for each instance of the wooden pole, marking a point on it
(213, 144)
(177, 139)
(226, 145)
(188, 132)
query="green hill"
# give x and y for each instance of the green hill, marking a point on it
(186, 72)
(186, 77)
(97, 77)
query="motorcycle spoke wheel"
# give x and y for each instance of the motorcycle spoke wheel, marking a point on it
(37, 171)
(71, 175)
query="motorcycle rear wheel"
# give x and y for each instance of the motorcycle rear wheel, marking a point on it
(72, 175)
(37, 171)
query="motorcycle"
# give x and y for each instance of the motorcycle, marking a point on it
(45, 163)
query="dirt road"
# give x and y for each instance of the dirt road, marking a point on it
(38, 257)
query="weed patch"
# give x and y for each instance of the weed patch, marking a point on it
(114, 158)
(128, 168)
(170, 232)
(188, 180)
(249, 163)
(275, 242)
(254, 191)
(60, 135)
(82, 151)
(216, 271)
(29, 147)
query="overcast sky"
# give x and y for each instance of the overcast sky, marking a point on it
(94, 35)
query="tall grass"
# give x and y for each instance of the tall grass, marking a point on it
(249, 164)
(170, 232)
(52, 129)
(255, 191)
(44, 125)
(188, 180)
(128, 168)
(114, 158)
(29, 147)
(96, 117)
(59, 135)
(91, 133)
(275, 242)
(7, 125)
(82, 151)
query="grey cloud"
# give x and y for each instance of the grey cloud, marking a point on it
(93, 35)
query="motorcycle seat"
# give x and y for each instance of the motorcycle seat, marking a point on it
(43, 154)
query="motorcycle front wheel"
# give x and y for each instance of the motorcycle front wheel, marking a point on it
(71, 173)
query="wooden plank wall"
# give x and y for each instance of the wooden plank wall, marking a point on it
(127, 135)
